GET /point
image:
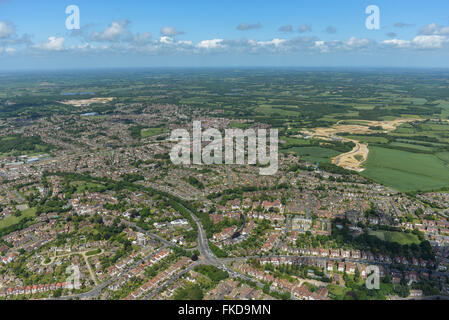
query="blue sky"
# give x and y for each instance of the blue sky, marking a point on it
(137, 33)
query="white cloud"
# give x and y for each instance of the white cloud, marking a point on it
(114, 32)
(185, 43)
(434, 29)
(166, 40)
(6, 30)
(53, 44)
(353, 42)
(170, 31)
(321, 46)
(398, 43)
(275, 42)
(211, 44)
(430, 42)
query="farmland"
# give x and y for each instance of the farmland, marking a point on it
(406, 171)
(377, 110)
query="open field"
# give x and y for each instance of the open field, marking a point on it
(401, 238)
(313, 154)
(151, 132)
(12, 220)
(443, 156)
(406, 171)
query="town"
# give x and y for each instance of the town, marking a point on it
(110, 202)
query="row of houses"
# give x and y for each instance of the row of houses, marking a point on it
(37, 288)
(153, 260)
(154, 282)
(297, 291)
(356, 254)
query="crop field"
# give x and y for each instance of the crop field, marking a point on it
(406, 171)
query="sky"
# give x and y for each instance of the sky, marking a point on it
(213, 33)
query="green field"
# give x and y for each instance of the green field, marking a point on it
(368, 139)
(239, 125)
(151, 132)
(445, 111)
(401, 238)
(411, 146)
(12, 220)
(443, 156)
(314, 154)
(406, 171)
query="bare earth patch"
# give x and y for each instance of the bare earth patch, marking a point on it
(354, 159)
(86, 102)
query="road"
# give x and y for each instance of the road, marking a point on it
(228, 173)
(284, 235)
(152, 235)
(89, 267)
(206, 257)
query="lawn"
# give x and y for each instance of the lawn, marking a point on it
(401, 238)
(12, 220)
(406, 171)
(337, 292)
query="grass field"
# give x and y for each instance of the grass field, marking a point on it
(151, 132)
(368, 139)
(12, 220)
(401, 238)
(314, 154)
(443, 156)
(239, 125)
(411, 146)
(406, 171)
(337, 292)
(290, 141)
(445, 111)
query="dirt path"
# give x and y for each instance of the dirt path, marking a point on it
(92, 274)
(83, 254)
(353, 159)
